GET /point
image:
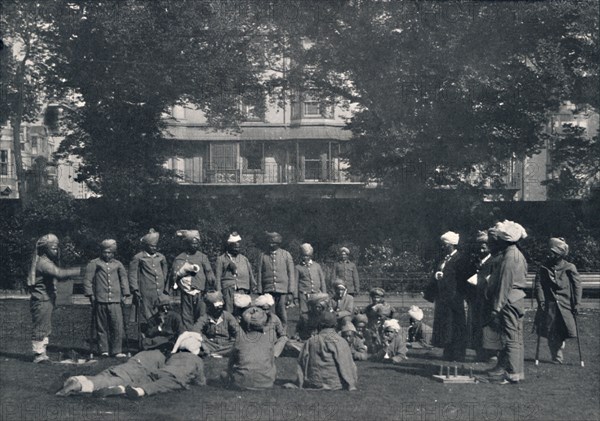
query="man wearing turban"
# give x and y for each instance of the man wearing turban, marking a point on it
(193, 267)
(147, 373)
(234, 272)
(274, 328)
(309, 278)
(479, 308)
(357, 344)
(276, 275)
(419, 333)
(558, 293)
(447, 293)
(107, 287)
(346, 270)
(43, 276)
(393, 343)
(325, 360)
(252, 359)
(506, 293)
(218, 327)
(148, 274)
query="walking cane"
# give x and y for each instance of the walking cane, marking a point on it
(575, 320)
(93, 341)
(537, 349)
(537, 328)
(138, 312)
(578, 341)
(125, 330)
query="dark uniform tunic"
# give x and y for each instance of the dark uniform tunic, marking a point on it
(148, 275)
(192, 306)
(106, 283)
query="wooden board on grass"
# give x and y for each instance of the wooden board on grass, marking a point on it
(454, 379)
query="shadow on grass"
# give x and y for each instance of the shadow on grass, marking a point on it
(15, 356)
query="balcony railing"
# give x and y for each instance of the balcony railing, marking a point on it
(312, 173)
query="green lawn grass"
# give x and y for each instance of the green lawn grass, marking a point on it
(394, 392)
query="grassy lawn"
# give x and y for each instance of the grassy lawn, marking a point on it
(395, 392)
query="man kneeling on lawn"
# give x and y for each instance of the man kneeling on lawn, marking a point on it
(146, 373)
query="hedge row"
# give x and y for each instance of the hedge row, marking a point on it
(388, 239)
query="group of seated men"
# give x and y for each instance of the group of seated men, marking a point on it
(330, 336)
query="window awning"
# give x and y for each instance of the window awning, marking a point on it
(264, 133)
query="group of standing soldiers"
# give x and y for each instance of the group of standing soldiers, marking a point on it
(108, 284)
(479, 302)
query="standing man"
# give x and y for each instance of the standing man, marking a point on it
(148, 274)
(507, 292)
(558, 293)
(234, 272)
(192, 284)
(310, 278)
(346, 270)
(478, 284)
(276, 275)
(106, 286)
(449, 323)
(43, 275)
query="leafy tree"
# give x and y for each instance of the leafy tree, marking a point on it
(576, 157)
(127, 62)
(27, 46)
(446, 92)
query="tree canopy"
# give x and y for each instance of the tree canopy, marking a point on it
(445, 90)
(127, 62)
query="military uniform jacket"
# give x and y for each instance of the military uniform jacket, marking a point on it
(202, 277)
(220, 331)
(242, 278)
(347, 271)
(148, 274)
(46, 276)
(310, 278)
(344, 306)
(105, 281)
(276, 273)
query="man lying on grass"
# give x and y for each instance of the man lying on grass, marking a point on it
(146, 373)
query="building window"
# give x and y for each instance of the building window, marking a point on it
(310, 105)
(3, 162)
(252, 155)
(223, 156)
(251, 111)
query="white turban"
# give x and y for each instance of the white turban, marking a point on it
(234, 237)
(306, 249)
(242, 300)
(188, 341)
(509, 231)
(450, 238)
(416, 313)
(110, 245)
(264, 300)
(189, 235)
(391, 324)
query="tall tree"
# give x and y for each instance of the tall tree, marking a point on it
(129, 61)
(28, 44)
(446, 92)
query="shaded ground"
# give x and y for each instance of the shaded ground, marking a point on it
(395, 392)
